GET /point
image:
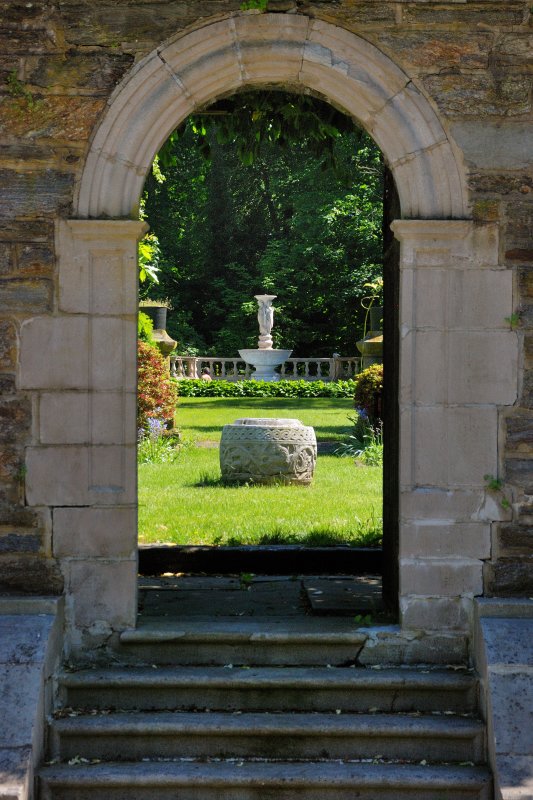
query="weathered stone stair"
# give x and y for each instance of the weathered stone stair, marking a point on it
(255, 730)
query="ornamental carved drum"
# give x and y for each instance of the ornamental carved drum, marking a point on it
(267, 450)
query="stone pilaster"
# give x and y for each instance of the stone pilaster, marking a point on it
(458, 368)
(80, 365)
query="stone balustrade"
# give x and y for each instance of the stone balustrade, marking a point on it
(294, 369)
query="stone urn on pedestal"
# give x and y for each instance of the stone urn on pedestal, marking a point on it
(371, 345)
(265, 359)
(158, 314)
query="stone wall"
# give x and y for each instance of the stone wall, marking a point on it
(60, 63)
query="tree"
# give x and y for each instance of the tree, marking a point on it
(270, 197)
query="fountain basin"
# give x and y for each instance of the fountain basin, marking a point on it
(265, 361)
(265, 450)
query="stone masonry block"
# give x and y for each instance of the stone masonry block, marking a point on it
(97, 268)
(87, 418)
(442, 538)
(511, 708)
(39, 192)
(19, 682)
(26, 295)
(271, 47)
(113, 474)
(464, 367)
(436, 505)
(54, 353)
(515, 540)
(463, 299)
(519, 433)
(483, 367)
(103, 592)
(8, 345)
(15, 419)
(113, 418)
(435, 613)
(35, 260)
(64, 418)
(454, 447)
(113, 354)
(95, 532)
(81, 476)
(435, 577)
(57, 476)
(492, 145)
(448, 244)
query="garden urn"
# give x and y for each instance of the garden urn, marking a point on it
(258, 450)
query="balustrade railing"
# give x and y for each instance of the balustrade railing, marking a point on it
(294, 369)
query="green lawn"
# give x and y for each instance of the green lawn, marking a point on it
(184, 503)
(202, 418)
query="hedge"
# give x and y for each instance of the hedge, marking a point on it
(200, 388)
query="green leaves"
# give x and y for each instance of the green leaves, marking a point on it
(247, 207)
(148, 258)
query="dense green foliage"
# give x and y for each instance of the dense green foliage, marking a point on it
(200, 388)
(275, 199)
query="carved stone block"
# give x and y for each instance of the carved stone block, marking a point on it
(267, 450)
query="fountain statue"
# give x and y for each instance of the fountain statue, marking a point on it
(265, 359)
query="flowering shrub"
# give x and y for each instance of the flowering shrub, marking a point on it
(369, 386)
(156, 394)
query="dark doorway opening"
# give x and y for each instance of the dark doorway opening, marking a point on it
(301, 560)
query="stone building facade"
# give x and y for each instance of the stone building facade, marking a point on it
(88, 93)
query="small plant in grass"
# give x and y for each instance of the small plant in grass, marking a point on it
(363, 620)
(365, 443)
(155, 445)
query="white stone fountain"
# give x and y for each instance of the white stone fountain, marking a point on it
(265, 359)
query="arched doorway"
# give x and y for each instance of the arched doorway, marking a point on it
(97, 250)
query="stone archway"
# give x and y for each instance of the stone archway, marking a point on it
(295, 52)
(453, 297)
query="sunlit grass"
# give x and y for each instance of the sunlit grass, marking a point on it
(185, 503)
(202, 418)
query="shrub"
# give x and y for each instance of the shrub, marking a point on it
(145, 327)
(369, 386)
(156, 394)
(283, 388)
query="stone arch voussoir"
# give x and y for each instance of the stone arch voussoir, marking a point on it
(222, 57)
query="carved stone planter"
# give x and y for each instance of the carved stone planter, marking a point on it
(267, 450)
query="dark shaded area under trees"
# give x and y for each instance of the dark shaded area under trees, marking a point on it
(266, 192)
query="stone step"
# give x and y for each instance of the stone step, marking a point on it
(241, 780)
(134, 736)
(270, 689)
(244, 641)
(307, 640)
